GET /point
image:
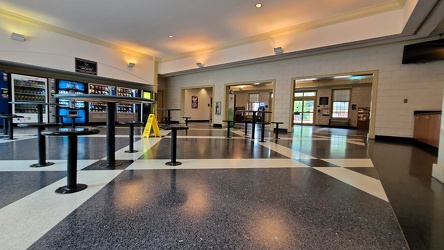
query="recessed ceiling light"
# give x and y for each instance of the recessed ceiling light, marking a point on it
(170, 36)
(258, 5)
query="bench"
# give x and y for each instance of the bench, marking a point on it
(339, 122)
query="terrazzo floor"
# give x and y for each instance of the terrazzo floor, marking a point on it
(315, 188)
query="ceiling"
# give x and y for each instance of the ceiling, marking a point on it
(196, 25)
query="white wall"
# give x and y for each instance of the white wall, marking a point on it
(50, 49)
(421, 84)
(360, 96)
(297, 38)
(203, 112)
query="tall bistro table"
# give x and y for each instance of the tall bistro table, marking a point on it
(110, 117)
(168, 120)
(41, 138)
(253, 121)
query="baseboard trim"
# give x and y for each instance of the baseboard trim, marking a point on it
(406, 140)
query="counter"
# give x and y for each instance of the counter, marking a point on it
(427, 127)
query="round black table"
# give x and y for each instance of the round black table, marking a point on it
(39, 107)
(110, 117)
(40, 127)
(73, 119)
(174, 129)
(41, 141)
(7, 119)
(72, 134)
(253, 121)
(168, 120)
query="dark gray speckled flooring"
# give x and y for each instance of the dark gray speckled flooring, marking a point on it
(317, 188)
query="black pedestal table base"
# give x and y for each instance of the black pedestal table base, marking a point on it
(174, 129)
(72, 133)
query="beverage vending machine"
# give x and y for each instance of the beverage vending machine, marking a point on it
(68, 107)
(28, 89)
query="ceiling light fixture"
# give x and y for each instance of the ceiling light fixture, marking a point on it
(339, 77)
(170, 36)
(17, 37)
(131, 65)
(258, 5)
(278, 50)
(200, 65)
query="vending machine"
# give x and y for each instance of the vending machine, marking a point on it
(68, 107)
(28, 89)
(4, 98)
(127, 111)
(97, 110)
(146, 108)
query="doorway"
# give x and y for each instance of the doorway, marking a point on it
(304, 108)
(343, 96)
(257, 95)
(197, 103)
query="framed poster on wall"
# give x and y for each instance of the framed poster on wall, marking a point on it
(194, 102)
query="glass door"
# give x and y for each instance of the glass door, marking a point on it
(304, 108)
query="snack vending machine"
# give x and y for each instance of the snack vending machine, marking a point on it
(97, 110)
(28, 89)
(68, 107)
(127, 112)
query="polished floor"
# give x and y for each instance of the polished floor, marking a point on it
(315, 188)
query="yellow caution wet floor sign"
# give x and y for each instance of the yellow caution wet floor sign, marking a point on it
(152, 123)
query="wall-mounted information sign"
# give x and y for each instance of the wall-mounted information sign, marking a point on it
(323, 100)
(86, 66)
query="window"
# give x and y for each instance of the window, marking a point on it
(254, 97)
(341, 102)
(253, 101)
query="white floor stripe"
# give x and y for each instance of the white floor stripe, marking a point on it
(360, 163)
(293, 154)
(141, 145)
(356, 143)
(365, 183)
(20, 137)
(217, 164)
(23, 165)
(26, 220)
